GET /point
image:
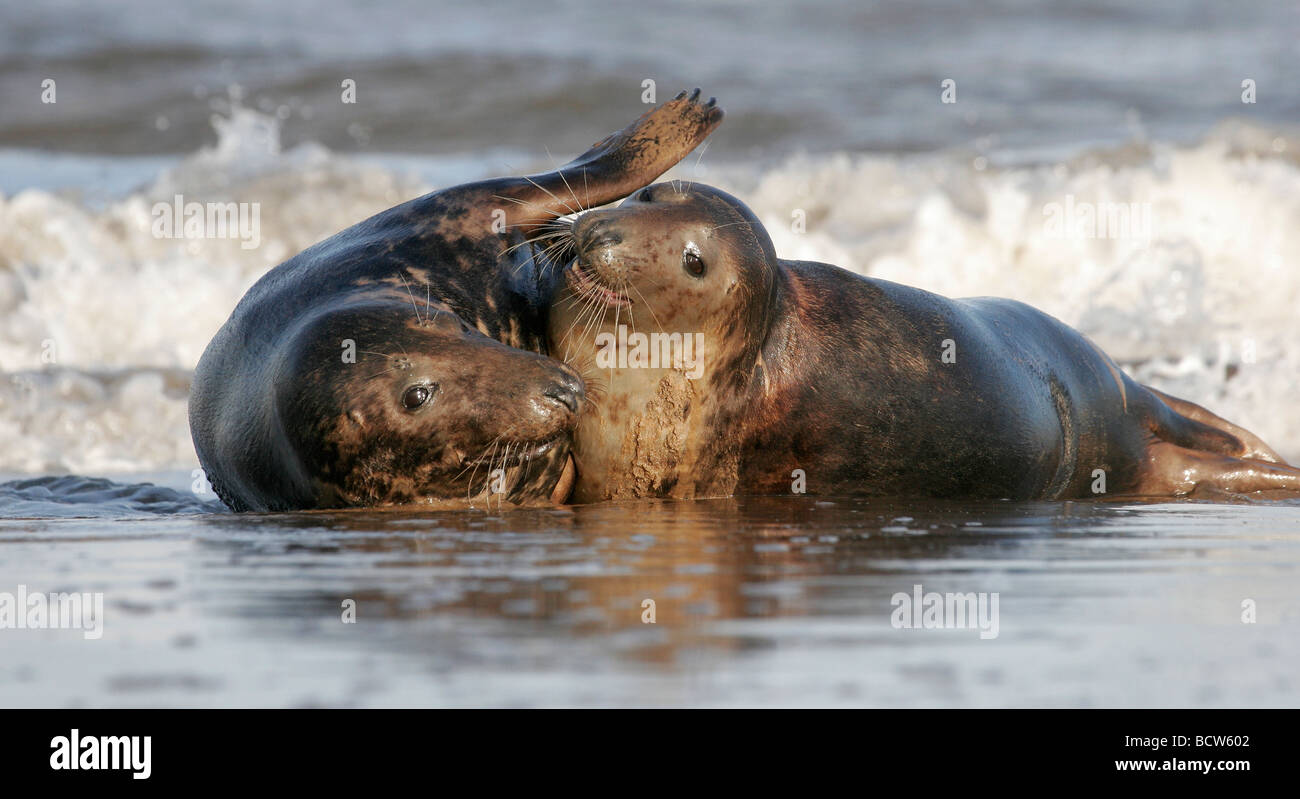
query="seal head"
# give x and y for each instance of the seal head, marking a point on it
(373, 407)
(686, 254)
(668, 302)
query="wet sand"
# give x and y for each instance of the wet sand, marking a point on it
(773, 602)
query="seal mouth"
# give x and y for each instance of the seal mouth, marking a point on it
(508, 457)
(584, 281)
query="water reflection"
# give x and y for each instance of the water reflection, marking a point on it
(756, 601)
(461, 584)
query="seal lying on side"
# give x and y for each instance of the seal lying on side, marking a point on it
(806, 366)
(387, 364)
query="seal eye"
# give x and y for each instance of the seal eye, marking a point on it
(692, 263)
(644, 196)
(416, 396)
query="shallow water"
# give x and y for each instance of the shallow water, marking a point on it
(775, 601)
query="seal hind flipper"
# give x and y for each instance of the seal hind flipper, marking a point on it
(1167, 424)
(1251, 446)
(1172, 470)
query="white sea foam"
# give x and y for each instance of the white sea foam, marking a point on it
(101, 323)
(97, 315)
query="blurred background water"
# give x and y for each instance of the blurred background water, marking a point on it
(835, 117)
(818, 76)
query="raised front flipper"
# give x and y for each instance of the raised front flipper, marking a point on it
(615, 166)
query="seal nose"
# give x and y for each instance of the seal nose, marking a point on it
(568, 393)
(598, 234)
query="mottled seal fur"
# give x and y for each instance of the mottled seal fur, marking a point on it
(812, 378)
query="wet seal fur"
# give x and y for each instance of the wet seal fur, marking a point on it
(441, 302)
(812, 370)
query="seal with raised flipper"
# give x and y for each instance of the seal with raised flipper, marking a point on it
(727, 370)
(403, 360)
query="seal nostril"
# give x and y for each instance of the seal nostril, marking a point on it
(599, 235)
(564, 395)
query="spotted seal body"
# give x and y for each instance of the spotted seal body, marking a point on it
(812, 378)
(403, 359)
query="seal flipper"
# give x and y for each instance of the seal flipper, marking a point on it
(1172, 470)
(564, 486)
(1251, 445)
(1191, 448)
(615, 166)
(1173, 427)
